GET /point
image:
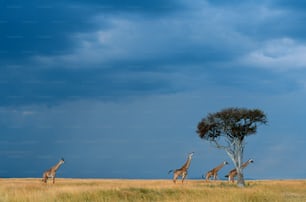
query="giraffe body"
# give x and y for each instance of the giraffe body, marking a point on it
(214, 172)
(51, 173)
(233, 173)
(183, 171)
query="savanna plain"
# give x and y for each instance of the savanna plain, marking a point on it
(33, 189)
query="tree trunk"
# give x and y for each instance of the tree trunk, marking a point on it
(240, 179)
(239, 155)
(236, 156)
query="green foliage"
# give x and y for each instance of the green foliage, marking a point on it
(231, 123)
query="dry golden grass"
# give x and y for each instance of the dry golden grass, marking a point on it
(31, 190)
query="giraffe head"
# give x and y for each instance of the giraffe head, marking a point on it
(225, 162)
(62, 160)
(190, 155)
(251, 161)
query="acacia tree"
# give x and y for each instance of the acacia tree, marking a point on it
(227, 130)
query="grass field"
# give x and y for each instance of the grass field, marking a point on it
(32, 190)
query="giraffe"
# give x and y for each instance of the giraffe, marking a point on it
(52, 171)
(214, 172)
(233, 173)
(183, 171)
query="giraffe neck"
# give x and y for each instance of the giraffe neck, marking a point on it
(245, 164)
(219, 167)
(56, 167)
(187, 164)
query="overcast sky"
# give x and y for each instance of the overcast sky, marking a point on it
(117, 88)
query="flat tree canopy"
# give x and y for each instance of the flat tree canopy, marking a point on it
(231, 123)
(228, 128)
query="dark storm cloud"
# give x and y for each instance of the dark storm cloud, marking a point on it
(53, 52)
(36, 86)
(48, 28)
(32, 27)
(156, 7)
(29, 28)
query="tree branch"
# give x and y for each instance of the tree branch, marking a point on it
(219, 146)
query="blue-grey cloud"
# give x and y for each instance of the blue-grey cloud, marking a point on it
(30, 28)
(287, 4)
(122, 53)
(52, 86)
(155, 7)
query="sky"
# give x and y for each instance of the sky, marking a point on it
(117, 88)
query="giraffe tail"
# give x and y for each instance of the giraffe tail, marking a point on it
(170, 171)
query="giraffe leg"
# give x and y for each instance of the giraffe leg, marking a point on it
(45, 177)
(184, 176)
(175, 176)
(53, 178)
(207, 176)
(231, 179)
